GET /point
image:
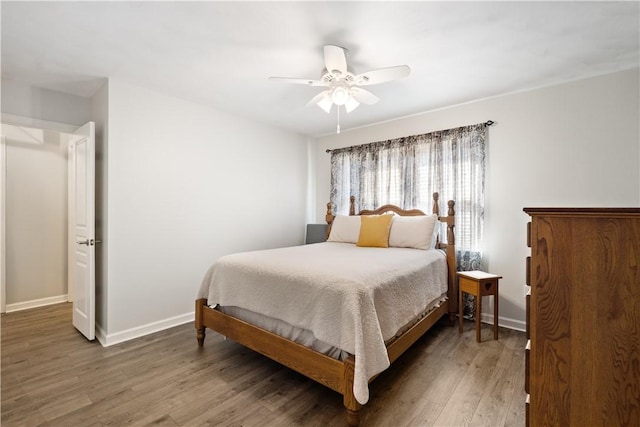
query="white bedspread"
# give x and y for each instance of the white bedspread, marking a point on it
(351, 297)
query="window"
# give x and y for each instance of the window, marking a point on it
(407, 171)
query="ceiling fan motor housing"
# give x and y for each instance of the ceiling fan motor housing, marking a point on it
(329, 77)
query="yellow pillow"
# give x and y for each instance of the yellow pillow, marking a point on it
(374, 231)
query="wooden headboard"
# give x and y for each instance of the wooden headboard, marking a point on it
(449, 247)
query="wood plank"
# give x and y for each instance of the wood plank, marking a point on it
(478, 375)
(102, 387)
(502, 388)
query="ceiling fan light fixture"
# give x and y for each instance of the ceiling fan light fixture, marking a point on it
(340, 95)
(351, 104)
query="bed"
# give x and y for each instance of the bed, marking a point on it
(358, 308)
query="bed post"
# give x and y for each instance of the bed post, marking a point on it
(450, 246)
(329, 217)
(349, 400)
(352, 205)
(451, 262)
(200, 328)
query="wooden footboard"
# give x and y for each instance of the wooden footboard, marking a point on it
(333, 373)
(336, 374)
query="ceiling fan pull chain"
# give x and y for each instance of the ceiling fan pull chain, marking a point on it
(338, 127)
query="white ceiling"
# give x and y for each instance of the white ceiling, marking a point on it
(221, 53)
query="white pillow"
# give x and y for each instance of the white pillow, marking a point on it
(345, 229)
(418, 232)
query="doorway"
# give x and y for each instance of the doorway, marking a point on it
(33, 174)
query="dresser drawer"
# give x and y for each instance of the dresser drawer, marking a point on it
(467, 285)
(478, 287)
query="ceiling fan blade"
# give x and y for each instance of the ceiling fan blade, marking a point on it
(322, 100)
(307, 82)
(382, 75)
(335, 59)
(364, 96)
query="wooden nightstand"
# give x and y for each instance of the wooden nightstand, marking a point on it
(480, 284)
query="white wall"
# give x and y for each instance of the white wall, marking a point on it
(575, 144)
(36, 222)
(24, 100)
(177, 186)
(186, 185)
(99, 115)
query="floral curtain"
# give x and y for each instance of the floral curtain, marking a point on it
(407, 171)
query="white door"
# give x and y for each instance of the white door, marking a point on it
(82, 241)
(3, 215)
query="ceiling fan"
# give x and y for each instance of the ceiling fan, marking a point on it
(342, 85)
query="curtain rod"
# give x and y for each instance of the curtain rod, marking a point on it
(487, 123)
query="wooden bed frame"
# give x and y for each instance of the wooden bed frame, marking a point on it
(333, 373)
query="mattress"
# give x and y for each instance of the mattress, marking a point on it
(306, 337)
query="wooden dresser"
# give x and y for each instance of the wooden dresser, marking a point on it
(583, 317)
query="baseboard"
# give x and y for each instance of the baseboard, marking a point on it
(118, 337)
(505, 322)
(100, 335)
(25, 305)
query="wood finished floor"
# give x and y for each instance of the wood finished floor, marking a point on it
(52, 376)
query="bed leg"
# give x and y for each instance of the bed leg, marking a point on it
(200, 328)
(353, 418)
(200, 336)
(452, 319)
(349, 400)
